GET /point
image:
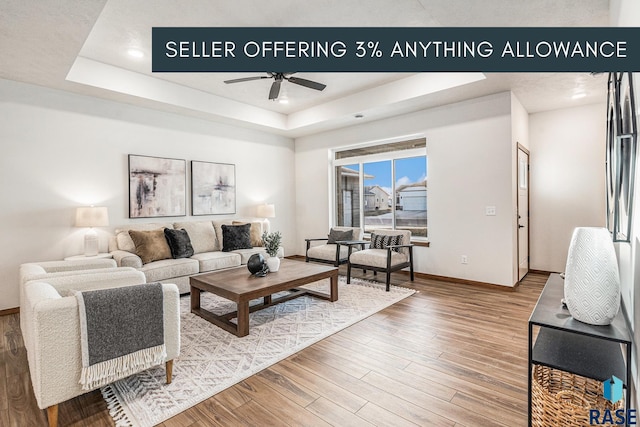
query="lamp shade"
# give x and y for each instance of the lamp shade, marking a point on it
(92, 216)
(592, 279)
(266, 211)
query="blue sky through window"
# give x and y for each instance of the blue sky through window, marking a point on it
(381, 172)
(413, 169)
(410, 170)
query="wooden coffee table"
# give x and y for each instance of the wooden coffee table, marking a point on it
(238, 285)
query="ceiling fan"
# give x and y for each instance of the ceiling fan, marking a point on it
(279, 77)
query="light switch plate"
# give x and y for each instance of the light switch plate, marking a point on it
(490, 210)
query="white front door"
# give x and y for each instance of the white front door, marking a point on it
(523, 213)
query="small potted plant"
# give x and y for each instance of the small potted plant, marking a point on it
(271, 244)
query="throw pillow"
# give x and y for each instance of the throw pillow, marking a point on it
(202, 235)
(255, 233)
(380, 241)
(236, 237)
(150, 245)
(124, 241)
(179, 243)
(338, 235)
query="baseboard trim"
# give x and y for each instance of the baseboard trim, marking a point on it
(8, 311)
(463, 281)
(542, 272)
(442, 278)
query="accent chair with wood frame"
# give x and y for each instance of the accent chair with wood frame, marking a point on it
(333, 253)
(388, 259)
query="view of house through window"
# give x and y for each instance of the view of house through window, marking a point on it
(348, 191)
(411, 195)
(378, 202)
(383, 189)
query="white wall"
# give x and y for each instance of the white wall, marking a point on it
(61, 151)
(567, 180)
(469, 158)
(519, 128)
(624, 13)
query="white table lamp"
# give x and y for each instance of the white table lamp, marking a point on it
(266, 211)
(91, 217)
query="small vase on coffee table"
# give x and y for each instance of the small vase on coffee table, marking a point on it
(273, 262)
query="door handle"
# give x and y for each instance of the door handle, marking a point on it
(520, 226)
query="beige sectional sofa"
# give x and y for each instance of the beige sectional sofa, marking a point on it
(207, 242)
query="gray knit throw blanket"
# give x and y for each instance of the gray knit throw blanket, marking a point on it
(122, 332)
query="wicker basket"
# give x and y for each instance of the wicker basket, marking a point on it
(562, 399)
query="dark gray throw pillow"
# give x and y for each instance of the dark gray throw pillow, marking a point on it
(236, 237)
(179, 243)
(338, 235)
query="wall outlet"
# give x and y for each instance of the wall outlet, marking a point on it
(490, 210)
(464, 259)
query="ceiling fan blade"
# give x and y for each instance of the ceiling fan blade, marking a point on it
(306, 83)
(275, 89)
(246, 79)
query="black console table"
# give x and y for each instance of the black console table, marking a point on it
(569, 345)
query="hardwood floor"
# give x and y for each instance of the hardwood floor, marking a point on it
(450, 355)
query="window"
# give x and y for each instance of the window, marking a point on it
(382, 187)
(377, 193)
(348, 195)
(411, 195)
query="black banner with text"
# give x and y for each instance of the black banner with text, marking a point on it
(536, 49)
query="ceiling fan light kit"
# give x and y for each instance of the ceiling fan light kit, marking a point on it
(278, 79)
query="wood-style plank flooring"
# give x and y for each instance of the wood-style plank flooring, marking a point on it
(450, 355)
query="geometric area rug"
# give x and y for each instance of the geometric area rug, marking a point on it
(212, 359)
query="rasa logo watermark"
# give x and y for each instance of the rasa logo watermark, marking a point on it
(612, 391)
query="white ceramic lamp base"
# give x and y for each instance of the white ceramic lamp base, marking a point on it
(592, 280)
(91, 243)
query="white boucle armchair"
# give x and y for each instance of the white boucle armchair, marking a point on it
(50, 269)
(51, 325)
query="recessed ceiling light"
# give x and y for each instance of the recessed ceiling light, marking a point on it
(359, 116)
(283, 101)
(136, 53)
(578, 95)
